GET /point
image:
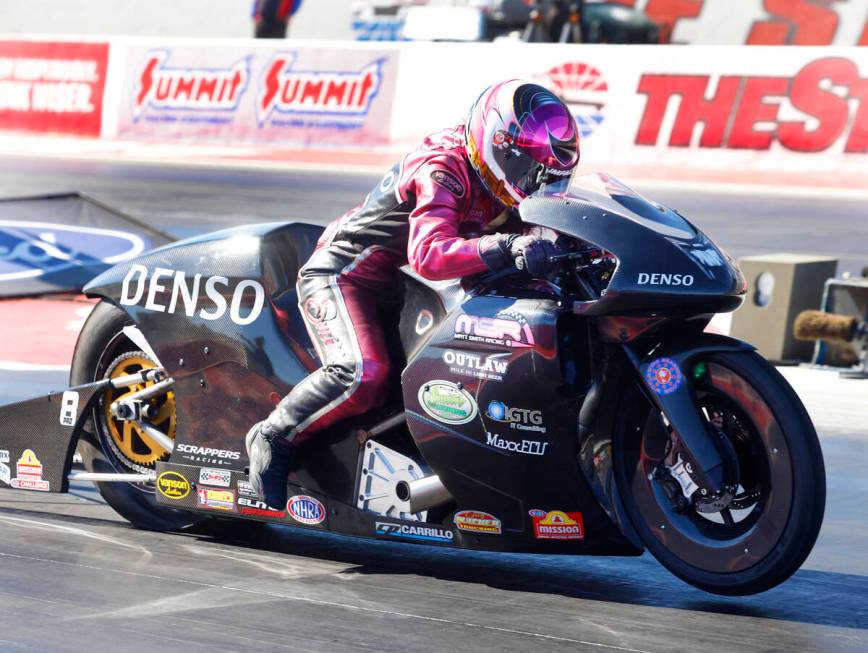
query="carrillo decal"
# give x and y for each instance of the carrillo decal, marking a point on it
(169, 291)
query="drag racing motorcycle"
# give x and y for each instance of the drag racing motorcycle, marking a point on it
(585, 414)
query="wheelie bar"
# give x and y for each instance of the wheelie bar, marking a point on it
(38, 437)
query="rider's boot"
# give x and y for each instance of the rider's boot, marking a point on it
(269, 455)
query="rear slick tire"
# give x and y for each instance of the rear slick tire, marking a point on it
(100, 342)
(714, 550)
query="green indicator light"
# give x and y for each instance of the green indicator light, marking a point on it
(700, 370)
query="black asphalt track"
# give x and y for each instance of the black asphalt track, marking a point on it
(75, 577)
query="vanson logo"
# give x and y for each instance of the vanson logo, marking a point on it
(173, 486)
(35, 249)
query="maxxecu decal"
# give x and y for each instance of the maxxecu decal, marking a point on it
(169, 291)
(341, 94)
(166, 90)
(412, 532)
(529, 447)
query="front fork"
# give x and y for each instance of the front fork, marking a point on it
(701, 465)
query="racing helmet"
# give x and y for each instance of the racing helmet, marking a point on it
(519, 135)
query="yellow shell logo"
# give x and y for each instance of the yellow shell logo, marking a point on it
(28, 458)
(173, 486)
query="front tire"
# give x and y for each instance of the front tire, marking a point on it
(101, 349)
(764, 536)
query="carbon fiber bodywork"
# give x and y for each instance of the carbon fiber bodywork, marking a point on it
(494, 379)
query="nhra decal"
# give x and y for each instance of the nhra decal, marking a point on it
(491, 367)
(583, 89)
(339, 94)
(664, 376)
(447, 403)
(507, 330)
(173, 486)
(167, 291)
(214, 499)
(258, 508)
(528, 447)
(29, 473)
(448, 181)
(474, 521)
(420, 533)
(557, 525)
(35, 249)
(746, 112)
(306, 510)
(218, 477)
(521, 419)
(164, 88)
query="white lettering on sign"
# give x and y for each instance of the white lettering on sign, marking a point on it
(660, 279)
(245, 305)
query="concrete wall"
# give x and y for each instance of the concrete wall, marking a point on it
(320, 19)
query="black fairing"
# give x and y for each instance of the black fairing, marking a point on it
(647, 239)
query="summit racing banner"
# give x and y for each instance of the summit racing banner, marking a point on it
(50, 86)
(287, 96)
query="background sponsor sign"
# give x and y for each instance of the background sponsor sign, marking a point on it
(290, 95)
(759, 22)
(748, 108)
(50, 86)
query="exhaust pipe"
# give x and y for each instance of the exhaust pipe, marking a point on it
(423, 493)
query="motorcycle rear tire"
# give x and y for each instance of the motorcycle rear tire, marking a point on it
(97, 341)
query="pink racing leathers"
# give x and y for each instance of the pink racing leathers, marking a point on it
(426, 211)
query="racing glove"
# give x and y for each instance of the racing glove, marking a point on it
(529, 253)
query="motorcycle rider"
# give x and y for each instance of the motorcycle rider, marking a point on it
(461, 181)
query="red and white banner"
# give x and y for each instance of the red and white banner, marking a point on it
(52, 86)
(753, 108)
(758, 22)
(292, 96)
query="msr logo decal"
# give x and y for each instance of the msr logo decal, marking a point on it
(506, 330)
(409, 532)
(285, 90)
(35, 249)
(163, 88)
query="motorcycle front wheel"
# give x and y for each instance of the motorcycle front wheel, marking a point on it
(764, 533)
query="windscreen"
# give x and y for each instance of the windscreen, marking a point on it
(608, 193)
